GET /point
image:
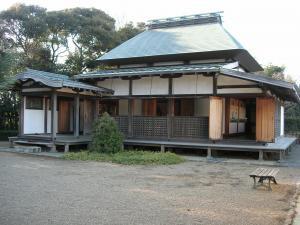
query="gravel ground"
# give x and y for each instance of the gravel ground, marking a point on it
(40, 190)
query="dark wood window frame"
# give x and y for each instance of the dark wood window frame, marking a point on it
(35, 103)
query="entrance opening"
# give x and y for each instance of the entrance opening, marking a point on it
(240, 118)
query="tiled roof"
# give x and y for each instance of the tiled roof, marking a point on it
(175, 40)
(58, 81)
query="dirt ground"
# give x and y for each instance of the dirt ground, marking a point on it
(39, 190)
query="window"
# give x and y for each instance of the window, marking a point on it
(109, 106)
(34, 103)
(184, 107)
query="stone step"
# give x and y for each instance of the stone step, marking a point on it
(27, 149)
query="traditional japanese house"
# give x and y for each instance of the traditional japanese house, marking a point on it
(183, 82)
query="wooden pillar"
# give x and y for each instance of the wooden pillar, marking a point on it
(130, 110)
(162, 149)
(170, 108)
(170, 116)
(21, 114)
(53, 115)
(215, 83)
(96, 107)
(45, 115)
(77, 115)
(85, 131)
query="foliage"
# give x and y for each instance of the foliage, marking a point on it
(128, 31)
(277, 72)
(292, 110)
(106, 137)
(132, 157)
(4, 134)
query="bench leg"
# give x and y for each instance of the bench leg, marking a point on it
(270, 189)
(254, 184)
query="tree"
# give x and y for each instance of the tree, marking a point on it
(26, 29)
(128, 31)
(91, 32)
(277, 72)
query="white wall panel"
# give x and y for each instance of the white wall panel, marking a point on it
(193, 84)
(121, 87)
(150, 86)
(33, 121)
(226, 80)
(239, 90)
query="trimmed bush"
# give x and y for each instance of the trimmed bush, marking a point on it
(132, 157)
(292, 125)
(106, 137)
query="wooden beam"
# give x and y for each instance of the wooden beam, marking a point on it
(215, 81)
(77, 114)
(170, 83)
(53, 115)
(237, 86)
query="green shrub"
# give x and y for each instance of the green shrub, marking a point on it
(106, 137)
(292, 125)
(4, 134)
(127, 157)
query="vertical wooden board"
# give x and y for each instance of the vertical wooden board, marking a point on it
(215, 118)
(63, 116)
(265, 110)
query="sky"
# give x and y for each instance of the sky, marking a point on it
(269, 30)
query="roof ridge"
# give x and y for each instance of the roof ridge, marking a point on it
(203, 18)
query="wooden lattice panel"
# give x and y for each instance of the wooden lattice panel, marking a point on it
(190, 127)
(146, 126)
(122, 122)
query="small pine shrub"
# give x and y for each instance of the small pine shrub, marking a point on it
(106, 137)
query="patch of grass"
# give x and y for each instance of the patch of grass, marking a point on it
(131, 157)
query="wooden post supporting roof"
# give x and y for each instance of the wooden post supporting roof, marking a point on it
(45, 101)
(77, 115)
(130, 109)
(53, 115)
(21, 114)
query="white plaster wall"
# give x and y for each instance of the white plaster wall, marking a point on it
(202, 107)
(123, 107)
(239, 90)
(150, 86)
(282, 121)
(33, 121)
(226, 80)
(192, 84)
(121, 87)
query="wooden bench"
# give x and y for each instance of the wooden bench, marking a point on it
(264, 174)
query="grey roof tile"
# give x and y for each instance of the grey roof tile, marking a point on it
(58, 81)
(175, 40)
